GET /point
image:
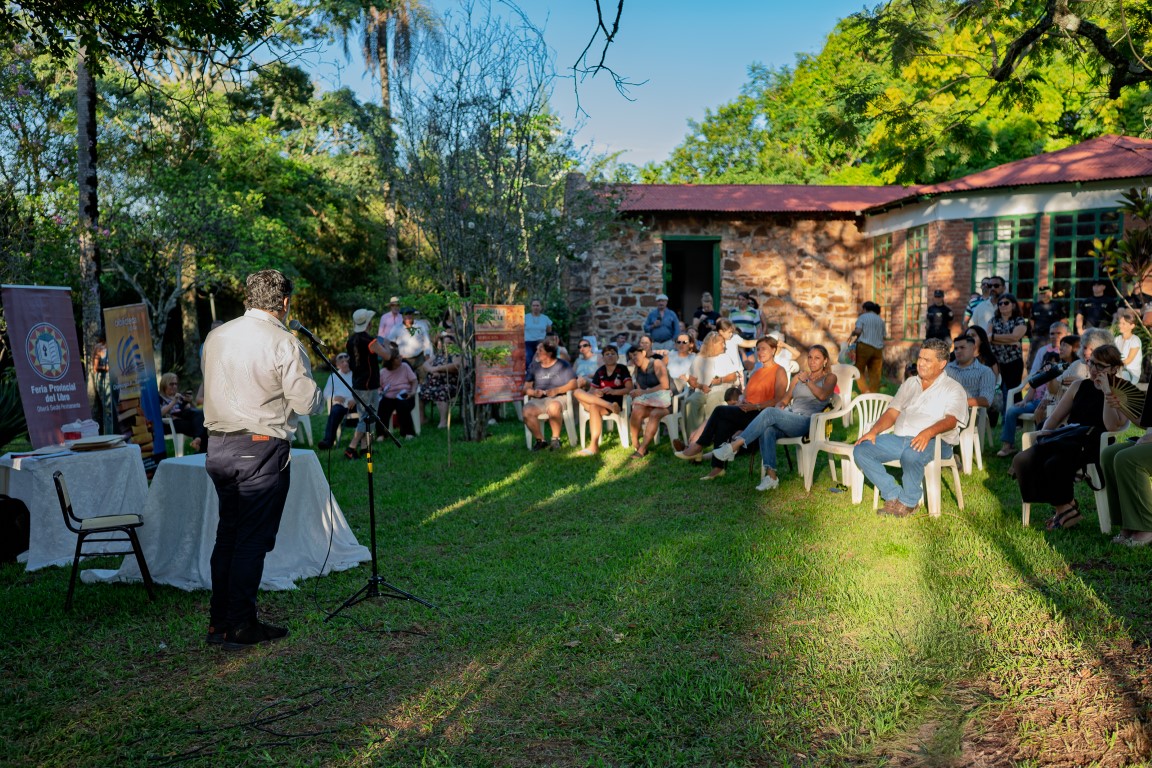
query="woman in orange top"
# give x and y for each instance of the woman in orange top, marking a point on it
(768, 384)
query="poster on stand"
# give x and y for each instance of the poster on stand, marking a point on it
(132, 368)
(49, 360)
(499, 352)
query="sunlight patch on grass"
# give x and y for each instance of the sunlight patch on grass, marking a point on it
(503, 484)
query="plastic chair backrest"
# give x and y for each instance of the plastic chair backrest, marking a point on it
(868, 408)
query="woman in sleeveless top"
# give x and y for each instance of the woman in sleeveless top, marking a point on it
(809, 394)
(651, 400)
(1046, 472)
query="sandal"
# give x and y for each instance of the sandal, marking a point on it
(1065, 519)
(638, 455)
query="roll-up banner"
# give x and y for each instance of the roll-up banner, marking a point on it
(499, 352)
(48, 359)
(132, 367)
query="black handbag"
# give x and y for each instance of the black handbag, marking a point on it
(1074, 439)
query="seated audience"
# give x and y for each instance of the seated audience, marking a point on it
(970, 373)
(929, 406)
(1128, 479)
(1046, 472)
(398, 393)
(622, 345)
(679, 363)
(441, 378)
(809, 394)
(711, 374)
(767, 387)
(561, 350)
(651, 400)
(734, 343)
(1129, 344)
(587, 362)
(338, 393)
(545, 384)
(178, 405)
(605, 394)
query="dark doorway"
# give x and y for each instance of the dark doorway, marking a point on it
(691, 267)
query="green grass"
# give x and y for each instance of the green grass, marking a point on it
(607, 612)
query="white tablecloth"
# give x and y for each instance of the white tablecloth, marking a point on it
(110, 482)
(180, 529)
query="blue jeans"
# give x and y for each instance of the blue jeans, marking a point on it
(1008, 431)
(771, 425)
(870, 458)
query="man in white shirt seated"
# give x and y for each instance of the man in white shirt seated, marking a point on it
(337, 393)
(928, 407)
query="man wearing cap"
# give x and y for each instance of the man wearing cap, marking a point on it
(365, 376)
(939, 318)
(1044, 313)
(1097, 310)
(661, 324)
(391, 318)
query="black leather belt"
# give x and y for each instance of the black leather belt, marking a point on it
(237, 433)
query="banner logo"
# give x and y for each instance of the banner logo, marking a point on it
(47, 351)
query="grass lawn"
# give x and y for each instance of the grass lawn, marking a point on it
(610, 612)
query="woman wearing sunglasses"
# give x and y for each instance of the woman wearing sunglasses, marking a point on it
(1007, 328)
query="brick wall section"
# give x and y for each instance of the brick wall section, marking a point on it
(810, 275)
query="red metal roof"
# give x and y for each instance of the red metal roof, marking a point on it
(1100, 159)
(756, 198)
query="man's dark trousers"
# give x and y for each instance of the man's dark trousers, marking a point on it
(251, 474)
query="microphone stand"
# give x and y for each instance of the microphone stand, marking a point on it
(376, 586)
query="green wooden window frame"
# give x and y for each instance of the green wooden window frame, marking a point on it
(1008, 246)
(915, 285)
(1070, 269)
(882, 277)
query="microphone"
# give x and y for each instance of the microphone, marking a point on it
(294, 324)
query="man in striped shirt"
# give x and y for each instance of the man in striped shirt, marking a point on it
(977, 379)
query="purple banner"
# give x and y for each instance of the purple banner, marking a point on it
(49, 361)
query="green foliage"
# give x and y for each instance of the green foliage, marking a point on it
(1129, 259)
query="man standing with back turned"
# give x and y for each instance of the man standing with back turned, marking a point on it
(257, 377)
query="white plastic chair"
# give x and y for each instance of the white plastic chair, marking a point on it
(177, 438)
(674, 422)
(864, 410)
(618, 420)
(932, 480)
(1102, 511)
(1027, 420)
(971, 446)
(569, 404)
(304, 428)
(846, 376)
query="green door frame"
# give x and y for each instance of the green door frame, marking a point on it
(715, 239)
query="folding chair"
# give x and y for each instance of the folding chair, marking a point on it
(100, 530)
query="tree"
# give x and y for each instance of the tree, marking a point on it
(962, 64)
(484, 165)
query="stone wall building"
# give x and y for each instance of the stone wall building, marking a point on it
(811, 255)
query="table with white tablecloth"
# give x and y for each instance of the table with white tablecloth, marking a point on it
(105, 482)
(180, 520)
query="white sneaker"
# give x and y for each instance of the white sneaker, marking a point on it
(769, 483)
(724, 452)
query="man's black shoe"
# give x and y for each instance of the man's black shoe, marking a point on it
(324, 445)
(539, 445)
(251, 634)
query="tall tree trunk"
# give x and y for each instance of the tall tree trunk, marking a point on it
(189, 319)
(86, 164)
(388, 161)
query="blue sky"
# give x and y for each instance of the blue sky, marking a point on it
(693, 56)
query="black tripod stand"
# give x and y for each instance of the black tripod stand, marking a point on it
(376, 586)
